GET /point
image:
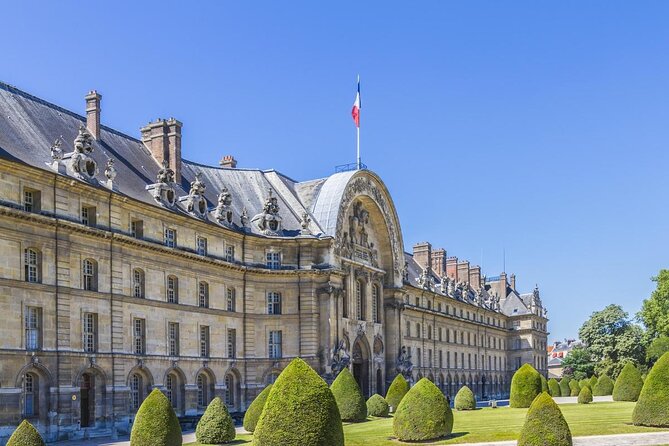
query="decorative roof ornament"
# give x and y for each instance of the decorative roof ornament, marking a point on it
(163, 190)
(56, 150)
(425, 279)
(196, 204)
(110, 173)
(244, 219)
(304, 222)
(82, 164)
(223, 211)
(269, 220)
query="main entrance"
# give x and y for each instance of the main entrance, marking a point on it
(87, 399)
(361, 366)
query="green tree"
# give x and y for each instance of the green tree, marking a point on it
(652, 408)
(554, 387)
(156, 424)
(351, 403)
(525, 386)
(655, 310)
(216, 425)
(656, 349)
(612, 340)
(423, 414)
(544, 424)
(252, 414)
(579, 362)
(398, 388)
(25, 435)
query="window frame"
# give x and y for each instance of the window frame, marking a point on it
(275, 344)
(274, 299)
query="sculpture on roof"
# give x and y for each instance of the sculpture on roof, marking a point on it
(56, 151)
(81, 162)
(196, 204)
(163, 190)
(450, 288)
(304, 223)
(425, 279)
(269, 220)
(110, 173)
(223, 211)
(165, 174)
(244, 219)
(405, 272)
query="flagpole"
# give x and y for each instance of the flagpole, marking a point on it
(358, 134)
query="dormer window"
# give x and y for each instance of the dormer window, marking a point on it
(230, 254)
(273, 260)
(88, 215)
(31, 200)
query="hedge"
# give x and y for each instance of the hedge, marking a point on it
(585, 382)
(525, 386)
(544, 383)
(652, 409)
(544, 424)
(575, 388)
(628, 385)
(593, 382)
(603, 387)
(349, 398)
(300, 410)
(25, 435)
(252, 414)
(554, 387)
(465, 399)
(423, 414)
(398, 388)
(585, 395)
(156, 424)
(565, 390)
(216, 425)
(377, 406)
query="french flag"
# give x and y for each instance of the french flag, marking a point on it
(356, 107)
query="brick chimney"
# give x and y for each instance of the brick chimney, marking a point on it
(512, 281)
(463, 270)
(93, 113)
(439, 261)
(475, 277)
(422, 254)
(452, 268)
(228, 161)
(163, 139)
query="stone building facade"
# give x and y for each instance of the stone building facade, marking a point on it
(125, 267)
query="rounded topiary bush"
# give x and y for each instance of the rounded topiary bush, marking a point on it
(575, 389)
(255, 409)
(628, 385)
(465, 399)
(652, 409)
(156, 424)
(377, 406)
(525, 386)
(25, 435)
(300, 410)
(603, 387)
(215, 426)
(544, 383)
(544, 424)
(554, 387)
(585, 395)
(423, 414)
(565, 390)
(398, 388)
(349, 398)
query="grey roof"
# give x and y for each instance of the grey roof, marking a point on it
(29, 126)
(326, 206)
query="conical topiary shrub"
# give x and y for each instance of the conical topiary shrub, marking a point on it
(215, 426)
(585, 395)
(628, 385)
(156, 424)
(255, 409)
(565, 390)
(300, 410)
(544, 425)
(575, 389)
(465, 399)
(652, 409)
(423, 414)
(398, 388)
(593, 382)
(349, 398)
(544, 383)
(525, 386)
(377, 406)
(554, 387)
(25, 435)
(585, 382)
(603, 387)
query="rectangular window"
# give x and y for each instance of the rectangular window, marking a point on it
(462, 360)
(90, 330)
(440, 334)
(139, 335)
(202, 246)
(429, 357)
(203, 294)
(232, 343)
(448, 360)
(274, 260)
(31, 200)
(172, 290)
(273, 303)
(173, 338)
(32, 265)
(441, 359)
(88, 215)
(275, 344)
(420, 358)
(204, 341)
(231, 299)
(33, 328)
(230, 254)
(170, 238)
(408, 333)
(137, 228)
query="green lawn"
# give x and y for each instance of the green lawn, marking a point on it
(499, 424)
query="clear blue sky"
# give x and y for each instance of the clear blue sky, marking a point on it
(539, 128)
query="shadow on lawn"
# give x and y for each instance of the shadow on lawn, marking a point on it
(433, 441)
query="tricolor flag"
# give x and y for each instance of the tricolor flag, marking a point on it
(356, 107)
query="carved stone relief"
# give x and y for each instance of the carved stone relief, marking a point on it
(163, 190)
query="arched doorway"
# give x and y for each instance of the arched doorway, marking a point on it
(87, 399)
(361, 365)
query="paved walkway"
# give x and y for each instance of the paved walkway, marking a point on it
(645, 439)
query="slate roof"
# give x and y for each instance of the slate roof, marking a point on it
(29, 126)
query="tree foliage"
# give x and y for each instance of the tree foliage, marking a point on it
(25, 435)
(156, 424)
(216, 425)
(652, 408)
(655, 310)
(656, 349)
(377, 406)
(544, 424)
(525, 386)
(398, 388)
(628, 385)
(351, 403)
(565, 390)
(252, 414)
(423, 414)
(578, 363)
(554, 387)
(465, 399)
(603, 387)
(585, 395)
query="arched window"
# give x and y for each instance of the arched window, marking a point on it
(138, 283)
(90, 275)
(136, 395)
(376, 304)
(172, 390)
(203, 294)
(172, 289)
(202, 390)
(232, 297)
(360, 300)
(230, 390)
(31, 395)
(33, 264)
